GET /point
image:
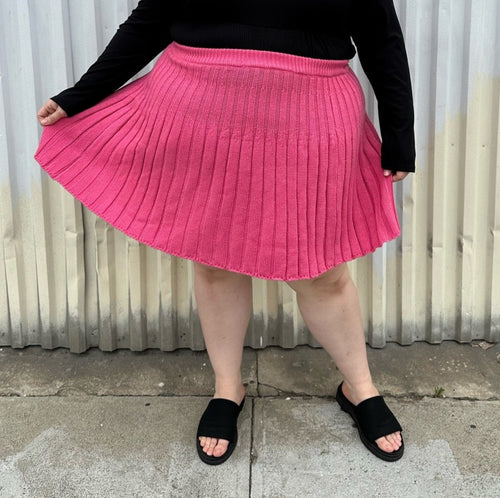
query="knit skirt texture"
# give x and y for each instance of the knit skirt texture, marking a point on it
(263, 163)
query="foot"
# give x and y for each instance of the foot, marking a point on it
(388, 443)
(214, 446)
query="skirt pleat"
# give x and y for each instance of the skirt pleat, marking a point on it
(258, 162)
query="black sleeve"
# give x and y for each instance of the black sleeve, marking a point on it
(137, 41)
(378, 37)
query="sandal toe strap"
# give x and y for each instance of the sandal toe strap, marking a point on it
(219, 419)
(376, 419)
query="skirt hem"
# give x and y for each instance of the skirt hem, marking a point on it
(199, 259)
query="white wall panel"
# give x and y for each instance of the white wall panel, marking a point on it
(68, 279)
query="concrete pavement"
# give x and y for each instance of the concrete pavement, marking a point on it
(123, 424)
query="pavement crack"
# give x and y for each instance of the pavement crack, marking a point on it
(257, 373)
(282, 392)
(252, 458)
(80, 393)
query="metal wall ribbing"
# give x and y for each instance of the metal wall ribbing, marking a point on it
(67, 279)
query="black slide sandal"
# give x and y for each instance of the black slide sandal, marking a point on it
(219, 421)
(373, 419)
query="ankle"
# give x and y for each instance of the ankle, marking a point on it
(234, 390)
(360, 391)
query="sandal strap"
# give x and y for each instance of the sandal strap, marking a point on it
(219, 419)
(376, 419)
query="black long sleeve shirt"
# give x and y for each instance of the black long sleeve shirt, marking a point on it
(313, 28)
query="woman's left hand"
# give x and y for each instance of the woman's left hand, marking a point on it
(397, 176)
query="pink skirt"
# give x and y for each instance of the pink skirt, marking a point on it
(259, 162)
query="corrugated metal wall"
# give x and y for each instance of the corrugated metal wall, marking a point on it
(67, 279)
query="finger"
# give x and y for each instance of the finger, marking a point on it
(48, 108)
(396, 175)
(43, 112)
(400, 175)
(50, 112)
(53, 117)
(49, 119)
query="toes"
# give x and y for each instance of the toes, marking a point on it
(221, 447)
(384, 444)
(395, 440)
(392, 442)
(204, 442)
(213, 446)
(389, 443)
(212, 443)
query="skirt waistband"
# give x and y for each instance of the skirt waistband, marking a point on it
(258, 58)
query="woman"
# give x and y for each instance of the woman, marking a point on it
(247, 149)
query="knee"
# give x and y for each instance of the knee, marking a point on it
(332, 281)
(211, 273)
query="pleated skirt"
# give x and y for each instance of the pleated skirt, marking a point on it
(259, 162)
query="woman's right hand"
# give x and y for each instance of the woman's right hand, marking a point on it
(50, 112)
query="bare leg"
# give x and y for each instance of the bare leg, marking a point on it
(330, 307)
(224, 301)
